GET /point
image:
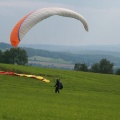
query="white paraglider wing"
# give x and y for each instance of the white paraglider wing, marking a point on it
(30, 20)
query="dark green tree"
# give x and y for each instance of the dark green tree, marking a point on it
(15, 56)
(77, 66)
(1, 56)
(104, 66)
(7, 57)
(118, 71)
(81, 67)
(95, 68)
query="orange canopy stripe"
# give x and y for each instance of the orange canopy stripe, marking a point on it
(14, 37)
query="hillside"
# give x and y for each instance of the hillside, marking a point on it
(88, 96)
(88, 57)
(4, 46)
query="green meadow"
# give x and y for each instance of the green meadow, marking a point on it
(85, 96)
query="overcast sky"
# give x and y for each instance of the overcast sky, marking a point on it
(102, 16)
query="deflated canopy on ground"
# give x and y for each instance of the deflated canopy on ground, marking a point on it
(28, 21)
(25, 75)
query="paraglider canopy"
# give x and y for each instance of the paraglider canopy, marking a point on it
(30, 20)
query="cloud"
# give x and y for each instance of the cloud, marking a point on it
(12, 7)
(14, 3)
(27, 3)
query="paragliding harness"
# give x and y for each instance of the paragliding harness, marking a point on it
(60, 85)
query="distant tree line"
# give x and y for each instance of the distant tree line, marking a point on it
(14, 56)
(104, 66)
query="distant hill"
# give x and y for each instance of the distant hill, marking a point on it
(112, 50)
(87, 56)
(73, 49)
(75, 58)
(4, 46)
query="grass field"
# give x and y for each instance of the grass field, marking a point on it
(45, 59)
(85, 96)
(50, 62)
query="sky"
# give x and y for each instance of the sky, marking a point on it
(102, 16)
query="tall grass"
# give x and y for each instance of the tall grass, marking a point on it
(85, 96)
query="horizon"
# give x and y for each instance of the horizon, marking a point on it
(50, 47)
(63, 44)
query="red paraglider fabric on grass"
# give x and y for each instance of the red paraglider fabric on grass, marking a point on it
(25, 75)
